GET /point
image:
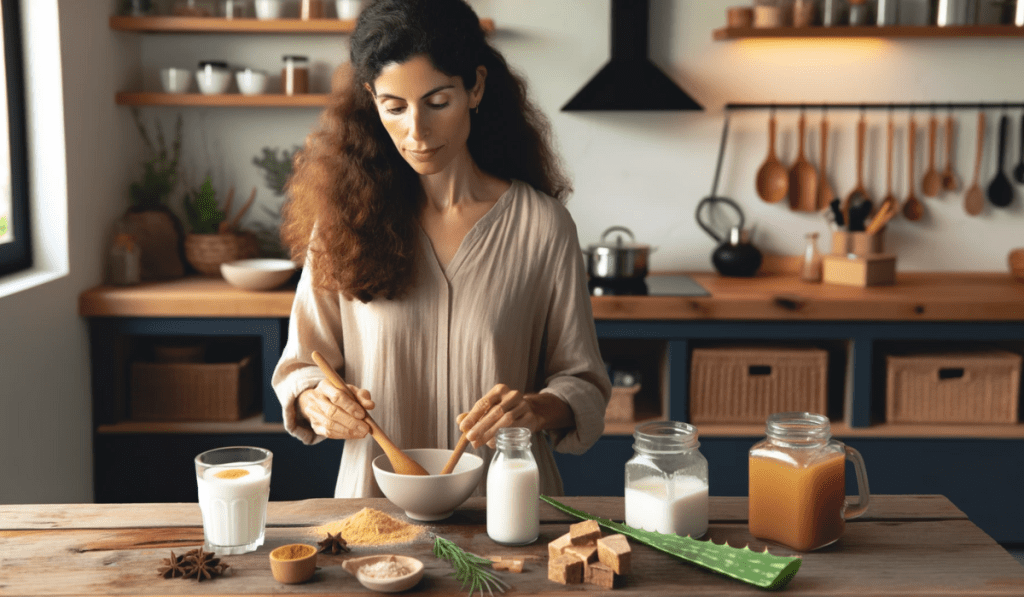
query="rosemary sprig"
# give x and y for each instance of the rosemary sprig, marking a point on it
(469, 568)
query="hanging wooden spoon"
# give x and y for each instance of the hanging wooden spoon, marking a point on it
(1000, 191)
(400, 461)
(974, 199)
(803, 178)
(889, 201)
(950, 182)
(913, 209)
(859, 194)
(772, 179)
(825, 192)
(931, 185)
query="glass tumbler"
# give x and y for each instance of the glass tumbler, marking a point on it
(234, 488)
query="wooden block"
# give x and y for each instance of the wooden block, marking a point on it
(587, 553)
(567, 570)
(584, 532)
(871, 270)
(555, 547)
(600, 575)
(860, 244)
(614, 551)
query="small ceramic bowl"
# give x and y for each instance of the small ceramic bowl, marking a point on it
(355, 566)
(269, 9)
(348, 9)
(213, 77)
(289, 569)
(257, 274)
(175, 80)
(433, 497)
(251, 81)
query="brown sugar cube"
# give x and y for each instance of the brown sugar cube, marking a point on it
(512, 564)
(614, 551)
(600, 575)
(584, 532)
(555, 547)
(587, 553)
(567, 570)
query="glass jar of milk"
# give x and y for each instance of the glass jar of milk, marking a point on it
(667, 480)
(513, 490)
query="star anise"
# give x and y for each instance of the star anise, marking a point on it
(203, 565)
(173, 567)
(334, 544)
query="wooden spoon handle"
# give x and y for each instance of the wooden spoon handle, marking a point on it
(771, 136)
(932, 127)
(949, 142)
(824, 148)
(861, 132)
(911, 141)
(800, 131)
(981, 146)
(890, 132)
(456, 455)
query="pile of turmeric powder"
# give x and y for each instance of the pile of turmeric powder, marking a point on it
(372, 527)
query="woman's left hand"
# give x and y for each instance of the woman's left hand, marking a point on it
(503, 406)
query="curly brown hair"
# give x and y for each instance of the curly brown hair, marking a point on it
(351, 186)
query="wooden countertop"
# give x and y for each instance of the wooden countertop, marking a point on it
(935, 296)
(904, 545)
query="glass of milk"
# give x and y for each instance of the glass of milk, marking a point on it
(513, 490)
(234, 488)
(667, 480)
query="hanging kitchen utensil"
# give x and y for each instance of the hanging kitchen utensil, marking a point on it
(950, 182)
(913, 209)
(803, 178)
(1018, 172)
(825, 192)
(1000, 191)
(859, 194)
(712, 200)
(974, 199)
(931, 184)
(889, 202)
(772, 181)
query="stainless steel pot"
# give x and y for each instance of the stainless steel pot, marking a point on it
(617, 260)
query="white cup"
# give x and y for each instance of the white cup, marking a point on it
(213, 78)
(175, 80)
(251, 81)
(348, 9)
(234, 488)
(269, 9)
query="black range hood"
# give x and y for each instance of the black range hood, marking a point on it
(630, 81)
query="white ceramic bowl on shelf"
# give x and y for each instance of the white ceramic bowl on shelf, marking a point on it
(269, 9)
(213, 77)
(431, 497)
(348, 9)
(257, 274)
(251, 81)
(175, 80)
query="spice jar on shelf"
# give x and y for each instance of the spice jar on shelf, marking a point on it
(234, 9)
(311, 9)
(124, 260)
(192, 8)
(667, 480)
(295, 75)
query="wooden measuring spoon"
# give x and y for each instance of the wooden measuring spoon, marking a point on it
(772, 180)
(1000, 191)
(400, 461)
(859, 194)
(974, 199)
(913, 209)
(932, 182)
(889, 201)
(949, 180)
(825, 192)
(803, 178)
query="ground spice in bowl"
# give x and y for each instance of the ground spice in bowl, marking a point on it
(384, 569)
(372, 527)
(292, 552)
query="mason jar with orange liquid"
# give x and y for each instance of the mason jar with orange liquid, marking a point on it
(798, 483)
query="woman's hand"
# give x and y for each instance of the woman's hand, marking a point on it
(506, 407)
(336, 413)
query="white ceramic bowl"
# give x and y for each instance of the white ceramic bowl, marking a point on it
(431, 497)
(175, 80)
(269, 9)
(386, 585)
(257, 274)
(348, 9)
(251, 82)
(213, 80)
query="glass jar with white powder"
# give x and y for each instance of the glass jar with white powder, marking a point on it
(667, 480)
(513, 490)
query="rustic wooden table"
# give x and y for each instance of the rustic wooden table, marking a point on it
(905, 545)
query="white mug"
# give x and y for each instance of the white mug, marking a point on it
(348, 9)
(269, 9)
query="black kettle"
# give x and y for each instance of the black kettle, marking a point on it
(737, 257)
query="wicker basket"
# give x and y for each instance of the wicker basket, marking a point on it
(193, 391)
(207, 251)
(621, 405)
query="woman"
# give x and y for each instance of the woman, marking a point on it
(442, 276)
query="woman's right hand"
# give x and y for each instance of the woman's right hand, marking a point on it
(336, 413)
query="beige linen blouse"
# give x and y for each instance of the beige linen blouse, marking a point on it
(511, 307)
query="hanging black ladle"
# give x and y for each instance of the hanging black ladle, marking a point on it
(713, 199)
(1000, 190)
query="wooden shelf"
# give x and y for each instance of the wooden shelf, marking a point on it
(224, 100)
(731, 33)
(170, 24)
(254, 424)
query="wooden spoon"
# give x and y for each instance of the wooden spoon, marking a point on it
(400, 461)
(456, 455)
(1000, 190)
(772, 180)
(803, 178)
(949, 180)
(931, 185)
(889, 201)
(974, 199)
(859, 194)
(913, 209)
(825, 192)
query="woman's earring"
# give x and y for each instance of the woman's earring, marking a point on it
(476, 110)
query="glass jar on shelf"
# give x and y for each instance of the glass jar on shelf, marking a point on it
(233, 9)
(811, 270)
(124, 260)
(193, 8)
(295, 75)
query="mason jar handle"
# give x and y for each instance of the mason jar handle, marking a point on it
(618, 229)
(860, 507)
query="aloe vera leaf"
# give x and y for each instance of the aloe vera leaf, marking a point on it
(760, 569)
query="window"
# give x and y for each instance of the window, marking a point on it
(15, 243)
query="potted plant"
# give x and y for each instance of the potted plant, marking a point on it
(276, 172)
(214, 239)
(156, 228)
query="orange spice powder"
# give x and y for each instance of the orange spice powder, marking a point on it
(372, 527)
(231, 473)
(292, 552)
